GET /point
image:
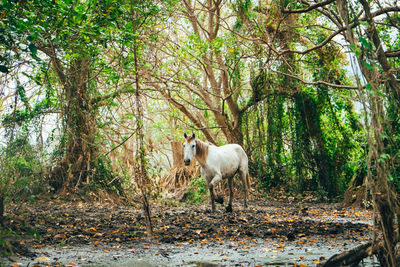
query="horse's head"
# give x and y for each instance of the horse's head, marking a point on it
(189, 148)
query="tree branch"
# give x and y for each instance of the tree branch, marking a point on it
(339, 86)
(328, 39)
(309, 8)
(394, 53)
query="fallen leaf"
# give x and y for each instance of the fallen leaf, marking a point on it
(43, 259)
(60, 236)
(71, 264)
(106, 251)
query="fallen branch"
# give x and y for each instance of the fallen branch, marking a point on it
(350, 257)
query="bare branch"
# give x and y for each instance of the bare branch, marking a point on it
(339, 86)
(309, 8)
(384, 11)
(394, 53)
(323, 43)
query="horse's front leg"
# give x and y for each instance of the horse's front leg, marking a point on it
(211, 185)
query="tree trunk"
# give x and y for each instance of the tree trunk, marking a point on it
(177, 154)
(384, 198)
(1, 209)
(81, 125)
(80, 130)
(142, 178)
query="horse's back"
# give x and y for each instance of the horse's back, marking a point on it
(233, 153)
(237, 148)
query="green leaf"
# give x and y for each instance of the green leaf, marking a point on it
(3, 69)
(33, 49)
(365, 42)
(385, 156)
(367, 64)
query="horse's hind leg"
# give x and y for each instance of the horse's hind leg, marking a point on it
(212, 197)
(243, 176)
(230, 184)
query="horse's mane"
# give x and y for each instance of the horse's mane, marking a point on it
(201, 151)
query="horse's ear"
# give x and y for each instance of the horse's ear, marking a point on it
(193, 136)
(185, 135)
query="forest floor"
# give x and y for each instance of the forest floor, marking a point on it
(267, 233)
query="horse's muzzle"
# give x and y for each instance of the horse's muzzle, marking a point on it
(187, 162)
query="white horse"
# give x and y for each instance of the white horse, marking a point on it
(218, 163)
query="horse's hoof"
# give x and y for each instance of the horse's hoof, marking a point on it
(229, 208)
(219, 200)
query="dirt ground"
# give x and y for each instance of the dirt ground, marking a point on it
(80, 234)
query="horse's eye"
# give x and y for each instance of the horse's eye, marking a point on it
(193, 146)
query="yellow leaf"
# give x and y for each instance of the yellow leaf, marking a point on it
(106, 251)
(43, 259)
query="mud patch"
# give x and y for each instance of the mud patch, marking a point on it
(266, 233)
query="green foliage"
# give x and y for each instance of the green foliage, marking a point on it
(299, 135)
(5, 245)
(21, 171)
(104, 176)
(197, 191)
